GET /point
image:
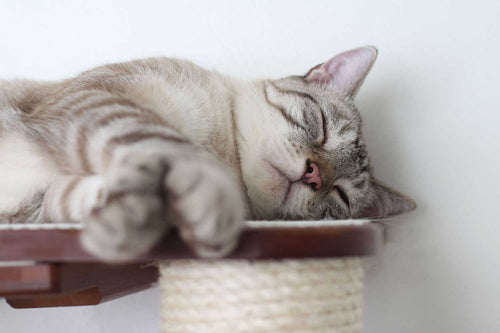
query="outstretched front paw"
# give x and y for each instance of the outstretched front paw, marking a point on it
(207, 205)
(130, 219)
(199, 196)
(125, 226)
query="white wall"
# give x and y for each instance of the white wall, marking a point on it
(431, 110)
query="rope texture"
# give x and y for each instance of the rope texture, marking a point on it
(241, 296)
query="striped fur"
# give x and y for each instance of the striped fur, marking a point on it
(130, 148)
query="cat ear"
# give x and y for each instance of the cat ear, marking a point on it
(345, 72)
(386, 202)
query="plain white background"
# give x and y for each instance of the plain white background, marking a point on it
(431, 120)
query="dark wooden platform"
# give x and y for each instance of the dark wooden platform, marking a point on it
(42, 267)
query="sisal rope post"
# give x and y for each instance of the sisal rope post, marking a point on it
(268, 296)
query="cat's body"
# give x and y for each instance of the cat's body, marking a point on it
(180, 93)
(130, 148)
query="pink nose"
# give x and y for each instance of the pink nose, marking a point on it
(312, 176)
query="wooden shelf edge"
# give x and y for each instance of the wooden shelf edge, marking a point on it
(255, 243)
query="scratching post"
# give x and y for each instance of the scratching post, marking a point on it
(299, 283)
(278, 296)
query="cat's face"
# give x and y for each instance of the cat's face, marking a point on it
(310, 161)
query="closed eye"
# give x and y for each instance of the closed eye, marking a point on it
(342, 195)
(325, 129)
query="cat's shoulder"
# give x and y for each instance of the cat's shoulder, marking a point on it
(144, 66)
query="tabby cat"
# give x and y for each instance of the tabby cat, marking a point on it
(133, 148)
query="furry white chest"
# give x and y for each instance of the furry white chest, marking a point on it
(24, 171)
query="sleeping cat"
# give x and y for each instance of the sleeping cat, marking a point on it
(130, 149)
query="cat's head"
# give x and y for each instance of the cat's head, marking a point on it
(306, 158)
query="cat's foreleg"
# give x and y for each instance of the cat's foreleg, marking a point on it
(119, 221)
(159, 181)
(70, 198)
(150, 178)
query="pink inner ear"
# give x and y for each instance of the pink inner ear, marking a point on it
(345, 72)
(319, 74)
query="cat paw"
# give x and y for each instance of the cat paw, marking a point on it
(130, 220)
(125, 226)
(199, 196)
(207, 206)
